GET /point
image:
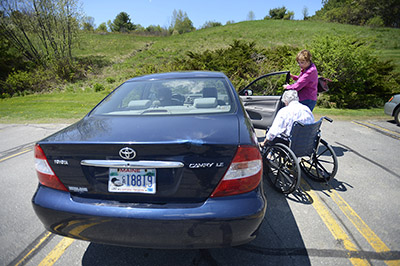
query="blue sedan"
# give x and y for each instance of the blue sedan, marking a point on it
(164, 161)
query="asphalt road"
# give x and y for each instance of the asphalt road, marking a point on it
(354, 220)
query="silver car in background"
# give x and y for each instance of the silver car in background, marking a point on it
(392, 108)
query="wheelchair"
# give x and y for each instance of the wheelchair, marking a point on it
(306, 151)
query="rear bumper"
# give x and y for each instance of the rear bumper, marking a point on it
(218, 222)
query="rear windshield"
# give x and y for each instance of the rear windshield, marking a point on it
(169, 97)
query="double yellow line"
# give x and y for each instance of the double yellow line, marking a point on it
(60, 248)
(53, 256)
(339, 233)
(56, 252)
(384, 131)
(15, 154)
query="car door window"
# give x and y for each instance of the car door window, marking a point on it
(261, 98)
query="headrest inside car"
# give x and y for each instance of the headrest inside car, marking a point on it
(139, 104)
(205, 102)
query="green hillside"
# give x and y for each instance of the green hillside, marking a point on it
(117, 57)
(127, 52)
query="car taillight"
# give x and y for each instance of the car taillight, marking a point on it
(44, 172)
(244, 173)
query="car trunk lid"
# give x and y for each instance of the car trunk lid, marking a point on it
(186, 156)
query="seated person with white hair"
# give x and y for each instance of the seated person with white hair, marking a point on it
(283, 122)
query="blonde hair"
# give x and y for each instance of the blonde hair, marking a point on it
(304, 55)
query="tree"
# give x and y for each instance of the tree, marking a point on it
(280, 13)
(181, 22)
(88, 24)
(102, 27)
(251, 16)
(305, 13)
(41, 30)
(289, 15)
(277, 13)
(363, 12)
(122, 23)
(10, 58)
(156, 30)
(211, 24)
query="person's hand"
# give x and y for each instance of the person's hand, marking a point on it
(292, 76)
(285, 86)
(262, 144)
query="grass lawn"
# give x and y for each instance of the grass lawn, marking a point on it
(351, 114)
(61, 107)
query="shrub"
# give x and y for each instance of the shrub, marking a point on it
(360, 79)
(375, 22)
(240, 61)
(25, 82)
(98, 87)
(18, 81)
(110, 80)
(42, 79)
(281, 58)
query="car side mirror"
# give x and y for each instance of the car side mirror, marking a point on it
(246, 92)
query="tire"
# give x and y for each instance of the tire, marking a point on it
(397, 116)
(322, 166)
(282, 168)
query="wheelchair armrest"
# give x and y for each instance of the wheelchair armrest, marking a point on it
(284, 135)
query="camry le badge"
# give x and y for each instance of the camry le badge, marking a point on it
(206, 165)
(127, 153)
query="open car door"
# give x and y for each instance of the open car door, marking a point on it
(262, 98)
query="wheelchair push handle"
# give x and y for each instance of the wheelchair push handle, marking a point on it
(300, 123)
(330, 120)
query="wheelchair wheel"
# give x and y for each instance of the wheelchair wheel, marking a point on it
(322, 165)
(281, 168)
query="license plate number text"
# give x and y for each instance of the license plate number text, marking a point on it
(132, 180)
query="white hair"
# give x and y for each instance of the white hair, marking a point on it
(290, 96)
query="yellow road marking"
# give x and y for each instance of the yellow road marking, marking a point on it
(338, 233)
(56, 253)
(382, 128)
(15, 154)
(369, 125)
(59, 250)
(376, 243)
(34, 248)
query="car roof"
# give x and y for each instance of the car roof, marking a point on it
(180, 75)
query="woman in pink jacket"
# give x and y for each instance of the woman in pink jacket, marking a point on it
(307, 82)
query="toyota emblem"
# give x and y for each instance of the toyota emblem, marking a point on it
(127, 153)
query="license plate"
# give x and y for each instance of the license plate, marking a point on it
(132, 180)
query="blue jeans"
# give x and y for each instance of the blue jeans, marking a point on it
(310, 103)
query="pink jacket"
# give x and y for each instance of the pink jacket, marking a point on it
(306, 84)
